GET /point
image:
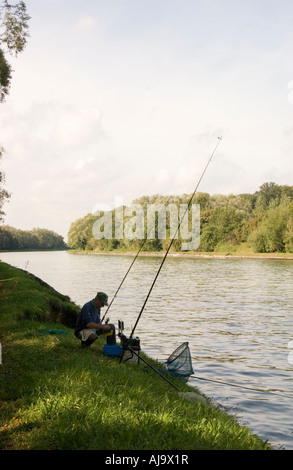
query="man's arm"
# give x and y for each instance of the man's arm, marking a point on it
(99, 326)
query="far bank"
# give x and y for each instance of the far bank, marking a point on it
(275, 256)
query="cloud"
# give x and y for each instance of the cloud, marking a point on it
(81, 164)
(76, 128)
(85, 24)
(54, 151)
(59, 126)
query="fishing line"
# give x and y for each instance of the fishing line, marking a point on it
(171, 243)
(239, 386)
(125, 276)
(153, 368)
(116, 293)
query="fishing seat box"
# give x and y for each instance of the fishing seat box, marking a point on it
(112, 350)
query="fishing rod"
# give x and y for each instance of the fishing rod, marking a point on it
(153, 368)
(126, 274)
(239, 386)
(171, 243)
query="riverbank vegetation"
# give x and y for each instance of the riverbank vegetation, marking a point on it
(245, 223)
(12, 239)
(56, 395)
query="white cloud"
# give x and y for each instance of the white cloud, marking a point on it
(76, 128)
(85, 24)
(51, 150)
(61, 126)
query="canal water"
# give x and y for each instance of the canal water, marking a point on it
(236, 315)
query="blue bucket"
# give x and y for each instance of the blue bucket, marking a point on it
(112, 350)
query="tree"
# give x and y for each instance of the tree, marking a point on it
(3, 193)
(274, 233)
(13, 39)
(5, 76)
(268, 192)
(262, 221)
(37, 239)
(80, 232)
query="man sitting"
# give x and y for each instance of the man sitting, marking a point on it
(89, 327)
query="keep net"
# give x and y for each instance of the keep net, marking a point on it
(179, 363)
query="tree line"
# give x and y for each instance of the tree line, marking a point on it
(261, 222)
(14, 31)
(36, 239)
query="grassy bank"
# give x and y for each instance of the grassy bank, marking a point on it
(55, 395)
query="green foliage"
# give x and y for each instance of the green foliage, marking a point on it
(270, 193)
(274, 232)
(35, 299)
(80, 232)
(36, 239)
(13, 37)
(262, 221)
(3, 193)
(15, 24)
(5, 76)
(221, 228)
(61, 310)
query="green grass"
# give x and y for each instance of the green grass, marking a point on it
(55, 395)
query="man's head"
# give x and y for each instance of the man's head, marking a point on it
(101, 299)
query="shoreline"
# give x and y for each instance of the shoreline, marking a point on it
(161, 254)
(260, 256)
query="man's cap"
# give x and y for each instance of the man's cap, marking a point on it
(103, 297)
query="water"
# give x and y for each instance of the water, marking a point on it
(235, 314)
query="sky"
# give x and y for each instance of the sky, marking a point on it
(115, 99)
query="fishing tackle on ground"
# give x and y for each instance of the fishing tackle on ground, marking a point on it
(130, 346)
(131, 350)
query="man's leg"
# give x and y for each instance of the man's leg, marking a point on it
(88, 337)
